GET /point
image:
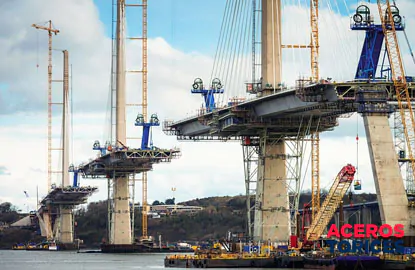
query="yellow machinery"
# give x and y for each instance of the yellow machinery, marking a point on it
(331, 203)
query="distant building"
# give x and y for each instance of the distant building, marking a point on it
(158, 210)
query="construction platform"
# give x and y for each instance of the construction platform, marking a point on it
(68, 195)
(140, 248)
(124, 161)
(306, 108)
(233, 261)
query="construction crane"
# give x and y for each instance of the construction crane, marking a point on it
(315, 138)
(144, 111)
(315, 75)
(389, 19)
(51, 31)
(331, 203)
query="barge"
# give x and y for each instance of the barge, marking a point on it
(233, 261)
(142, 248)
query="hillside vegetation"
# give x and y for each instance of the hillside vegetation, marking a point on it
(220, 215)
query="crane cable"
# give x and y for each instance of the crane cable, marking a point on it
(409, 45)
(37, 51)
(357, 149)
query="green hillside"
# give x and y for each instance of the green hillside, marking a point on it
(220, 214)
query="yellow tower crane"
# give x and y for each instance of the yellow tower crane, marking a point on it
(398, 76)
(144, 110)
(315, 138)
(51, 31)
(144, 103)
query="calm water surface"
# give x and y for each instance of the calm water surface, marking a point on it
(50, 260)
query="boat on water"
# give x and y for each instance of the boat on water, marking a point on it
(53, 247)
(141, 248)
(19, 246)
(39, 246)
(147, 246)
(43, 246)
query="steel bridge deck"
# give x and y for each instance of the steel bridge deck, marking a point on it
(126, 161)
(68, 195)
(301, 110)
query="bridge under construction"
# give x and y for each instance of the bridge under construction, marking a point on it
(117, 162)
(274, 125)
(55, 215)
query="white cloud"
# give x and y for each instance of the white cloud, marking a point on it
(205, 169)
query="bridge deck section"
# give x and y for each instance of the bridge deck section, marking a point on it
(121, 162)
(68, 195)
(303, 109)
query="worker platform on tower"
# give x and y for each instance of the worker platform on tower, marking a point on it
(119, 161)
(286, 111)
(70, 195)
(123, 161)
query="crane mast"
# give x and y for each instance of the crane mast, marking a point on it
(144, 111)
(398, 76)
(51, 31)
(315, 138)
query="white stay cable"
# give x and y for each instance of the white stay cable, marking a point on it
(273, 46)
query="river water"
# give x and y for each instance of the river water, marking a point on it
(68, 260)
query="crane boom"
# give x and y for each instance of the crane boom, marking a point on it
(49, 29)
(331, 203)
(398, 76)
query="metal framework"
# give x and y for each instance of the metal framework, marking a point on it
(51, 30)
(68, 195)
(131, 183)
(293, 165)
(398, 77)
(250, 157)
(110, 207)
(314, 43)
(254, 156)
(126, 161)
(315, 174)
(367, 69)
(404, 163)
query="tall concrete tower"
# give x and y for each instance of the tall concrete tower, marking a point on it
(272, 215)
(121, 230)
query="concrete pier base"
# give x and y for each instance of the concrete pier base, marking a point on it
(66, 227)
(391, 194)
(272, 218)
(121, 229)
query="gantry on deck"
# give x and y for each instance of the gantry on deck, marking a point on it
(124, 161)
(307, 108)
(68, 195)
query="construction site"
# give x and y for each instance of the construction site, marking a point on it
(275, 125)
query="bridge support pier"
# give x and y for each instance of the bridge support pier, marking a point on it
(393, 202)
(272, 215)
(120, 226)
(47, 226)
(66, 225)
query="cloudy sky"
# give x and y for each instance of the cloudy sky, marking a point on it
(183, 36)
